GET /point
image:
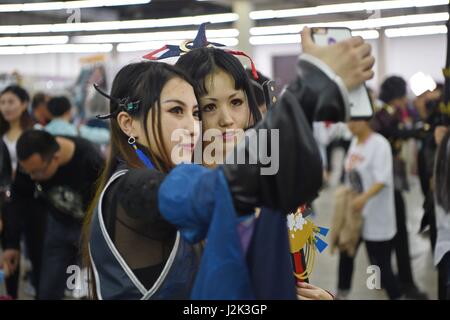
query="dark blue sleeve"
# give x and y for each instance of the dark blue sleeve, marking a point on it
(186, 198)
(198, 202)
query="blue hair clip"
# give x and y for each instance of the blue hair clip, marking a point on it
(124, 104)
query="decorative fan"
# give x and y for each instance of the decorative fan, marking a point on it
(304, 241)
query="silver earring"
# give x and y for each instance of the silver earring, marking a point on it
(131, 140)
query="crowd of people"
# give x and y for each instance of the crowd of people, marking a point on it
(114, 201)
(400, 140)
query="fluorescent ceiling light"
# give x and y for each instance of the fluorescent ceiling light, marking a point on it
(355, 24)
(344, 7)
(17, 41)
(119, 25)
(64, 48)
(278, 39)
(415, 31)
(295, 38)
(62, 5)
(151, 45)
(153, 36)
(367, 34)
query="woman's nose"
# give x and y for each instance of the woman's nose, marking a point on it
(191, 125)
(225, 120)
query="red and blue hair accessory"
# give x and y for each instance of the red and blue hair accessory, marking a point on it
(200, 41)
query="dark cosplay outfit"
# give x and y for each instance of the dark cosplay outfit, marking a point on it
(388, 122)
(148, 225)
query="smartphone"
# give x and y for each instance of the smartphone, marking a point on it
(361, 107)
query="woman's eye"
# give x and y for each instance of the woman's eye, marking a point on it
(236, 102)
(209, 108)
(176, 110)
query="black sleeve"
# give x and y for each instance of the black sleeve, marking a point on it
(134, 198)
(312, 96)
(317, 95)
(139, 193)
(403, 133)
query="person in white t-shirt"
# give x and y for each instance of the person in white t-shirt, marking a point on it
(369, 172)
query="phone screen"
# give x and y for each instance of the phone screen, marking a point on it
(360, 102)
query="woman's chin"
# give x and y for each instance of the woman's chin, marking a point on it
(11, 118)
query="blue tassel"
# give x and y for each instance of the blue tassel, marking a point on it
(320, 244)
(144, 159)
(323, 231)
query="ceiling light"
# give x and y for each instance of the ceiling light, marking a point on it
(62, 5)
(119, 25)
(344, 7)
(355, 24)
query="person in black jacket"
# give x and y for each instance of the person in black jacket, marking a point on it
(61, 172)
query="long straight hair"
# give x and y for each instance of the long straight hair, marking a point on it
(142, 81)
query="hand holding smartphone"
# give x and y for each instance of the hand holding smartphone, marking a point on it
(360, 103)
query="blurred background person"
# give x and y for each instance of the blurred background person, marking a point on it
(60, 110)
(39, 110)
(369, 170)
(61, 171)
(14, 120)
(394, 122)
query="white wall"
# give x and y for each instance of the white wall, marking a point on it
(263, 56)
(404, 56)
(54, 65)
(408, 55)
